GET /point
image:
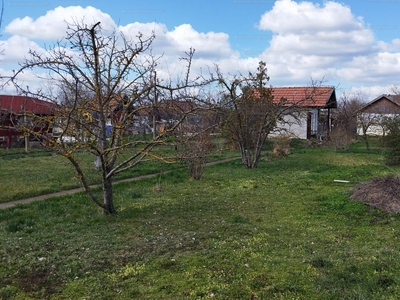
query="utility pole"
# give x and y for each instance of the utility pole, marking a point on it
(154, 106)
(26, 135)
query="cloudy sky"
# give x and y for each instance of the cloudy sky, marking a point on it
(352, 44)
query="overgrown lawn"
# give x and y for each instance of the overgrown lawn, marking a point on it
(285, 230)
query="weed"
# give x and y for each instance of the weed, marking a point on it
(321, 263)
(20, 224)
(238, 219)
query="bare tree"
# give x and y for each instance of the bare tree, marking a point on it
(104, 82)
(251, 113)
(194, 140)
(365, 122)
(194, 150)
(1, 13)
(372, 120)
(345, 122)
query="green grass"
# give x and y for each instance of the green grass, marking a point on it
(285, 230)
(41, 172)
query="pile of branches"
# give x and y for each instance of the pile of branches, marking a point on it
(381, 193)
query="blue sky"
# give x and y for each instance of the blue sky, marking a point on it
(353, 45)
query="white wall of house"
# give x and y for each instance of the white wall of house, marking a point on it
(372, 130)
(297, 126)
(293, 126)
(375, 121)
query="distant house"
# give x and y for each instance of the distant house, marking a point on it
(314, 105)
(139, 120)
(373, 112)
(15, 110)
(384, 104)
(311, 105)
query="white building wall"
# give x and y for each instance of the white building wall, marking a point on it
(294, 127)
(375, 120)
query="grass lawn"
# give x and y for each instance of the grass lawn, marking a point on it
(285, 230)
(41, 172)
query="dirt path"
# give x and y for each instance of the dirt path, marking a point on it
(74, 191)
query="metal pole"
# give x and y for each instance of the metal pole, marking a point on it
(26, 136)
(154, 106)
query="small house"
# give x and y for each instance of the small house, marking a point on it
(313, 106)
(16, 111)
(371, 114)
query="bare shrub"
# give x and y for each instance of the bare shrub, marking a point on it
(281, 147)
(194, 151)
(340, 138)
(344, 129)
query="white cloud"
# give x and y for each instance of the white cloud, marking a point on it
(210, 48)
(309, 29)
(170, 45)
(53, 25)
(309, 41)
(146, 29)
(288, 16)
(210, 44)
(16, 48)
(367, 93)
(328, 41)
(393, 46)
(383, 67)
(180, 39)
(26, 80)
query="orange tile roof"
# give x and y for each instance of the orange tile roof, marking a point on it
(318, 97)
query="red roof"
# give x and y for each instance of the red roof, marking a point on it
(19, 104)
(318, 97)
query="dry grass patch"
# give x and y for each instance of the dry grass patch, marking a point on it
(281, 147)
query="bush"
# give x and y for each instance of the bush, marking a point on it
(281, 147)
(392, 141)
(340, 138)
(194, 151)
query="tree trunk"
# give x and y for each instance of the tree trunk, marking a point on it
(366, 142)
(245, 155)
(250, 160)
(108, 196)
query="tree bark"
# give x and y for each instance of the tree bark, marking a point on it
(249, 159)
(366, 141)
(108, 196)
